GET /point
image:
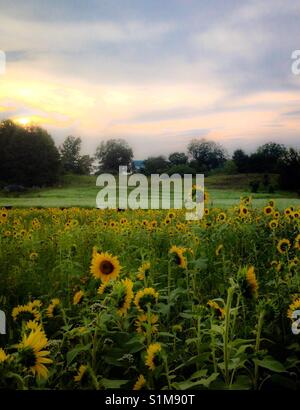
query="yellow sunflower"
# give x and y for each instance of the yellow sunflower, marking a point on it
(214, 305)
(104, 288)
(33, 325)
(26, 312)
(295, 305)
(124, 295)
(151, 355)
(80, 373)
(142, 322)
(147, 296)
(32, 354)
(268, 210)
(283, 246)
(251, 280)
(273, 224)
(104, 266)
(179, 258)
(140, 383)
(3, 356)
(143, 270)
(78, 297)
(221, 217)
(297, 242)
(52, 309)
(243, 211)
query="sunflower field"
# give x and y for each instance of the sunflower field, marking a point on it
(100, 299)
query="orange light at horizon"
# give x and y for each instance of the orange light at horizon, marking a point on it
(23, 121)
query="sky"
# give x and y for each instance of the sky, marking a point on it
(154, 72)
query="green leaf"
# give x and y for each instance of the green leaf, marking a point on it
(113, 384)
(271, 364)
(71, 355)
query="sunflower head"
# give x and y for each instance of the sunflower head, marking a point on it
(80, 376)
(144, 298)
(140, 383)
(283, 246)
(297, 242)
(26, 312)
(31, 353)
(104, 266)
(218, 310)
(295, 305)
(273, 224)
(268, 210)
(251, 281)
(153, 358)
(142, 323)
(143, 270)
(53, 308)
(78, 297)
(3, 356)
(178, 256)
(122, 295)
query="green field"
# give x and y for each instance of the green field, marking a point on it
(81, 191)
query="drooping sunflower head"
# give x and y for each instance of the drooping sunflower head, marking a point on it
(142, 323)
(152, 359)
(252, 281)
(219, 250)
(26, 312)
(145, 297)
(178, 256)
(53, 309)
(31, 353)
(104, 266)
(79, 377)
(33, 325)
(105, 288)
(220, 312)
(140, 383)
(122, 295)
(3, 356)
(283, 246)
(143, 270)
(78, 297)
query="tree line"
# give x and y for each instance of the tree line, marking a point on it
(29, 157)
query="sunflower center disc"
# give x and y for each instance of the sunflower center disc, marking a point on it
(106, 267)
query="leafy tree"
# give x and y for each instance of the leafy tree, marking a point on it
(206, 155)
(71, 159)
(178, 158)
(28, 155)
(181, 169)
(86, 164)
(155, 165)
(113, 153)
(289, 170)
(70, 154)
(267, 158)
(241, 160)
